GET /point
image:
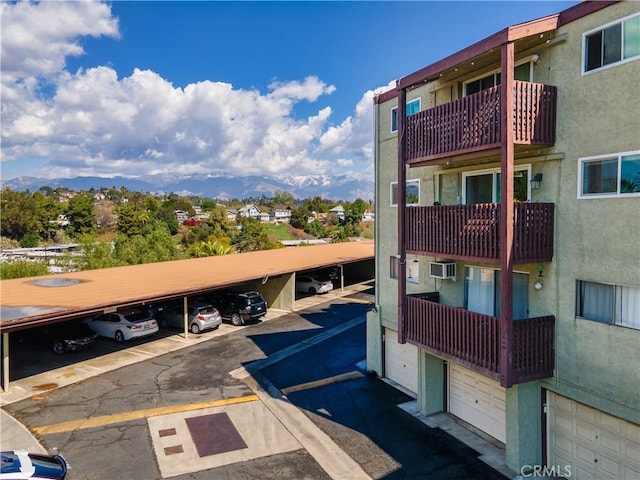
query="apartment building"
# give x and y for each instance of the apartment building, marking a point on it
(508, 270)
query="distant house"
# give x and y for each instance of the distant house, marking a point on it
(338, 211)
(280, 215)
(264, 217)
(232, 214)
(250, 211)
(182, 216)
(368, 216)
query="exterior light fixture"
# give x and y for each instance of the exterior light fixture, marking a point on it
(536, 181)
(538, 285)
(535, 57)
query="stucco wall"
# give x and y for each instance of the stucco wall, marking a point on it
(597, 239)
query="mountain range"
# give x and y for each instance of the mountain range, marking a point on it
(221, 187)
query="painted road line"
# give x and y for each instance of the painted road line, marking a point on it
(137, 414)
(320, 383)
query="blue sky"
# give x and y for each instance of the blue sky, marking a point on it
(278, 88)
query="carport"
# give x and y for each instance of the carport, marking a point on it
(36, 301)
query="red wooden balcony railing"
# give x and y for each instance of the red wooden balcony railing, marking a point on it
(471, 123)
(471, 232)
(473, 339)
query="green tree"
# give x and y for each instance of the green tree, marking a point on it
(299, 217)
(82, 219)
(315, 229)
(211, 247)
(253, 237)
(18, 214)
(354, 211)
(281, 197)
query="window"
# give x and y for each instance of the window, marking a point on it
(413, 271)
(483, 186)
(613, 175)
(482, 292)
(612, 44)
(610, 304)
(522, 72)
(393, 267)
(412, 107)
(412, 195)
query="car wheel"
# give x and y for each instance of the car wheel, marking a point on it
(236, 319)
(58, 347)
(195, 329)
(312, 291)
(119, 336)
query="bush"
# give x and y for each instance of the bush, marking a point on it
(22, 269)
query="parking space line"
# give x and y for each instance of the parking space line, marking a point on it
(137, 414)
(320, 383)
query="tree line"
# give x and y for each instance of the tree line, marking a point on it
(116, 227)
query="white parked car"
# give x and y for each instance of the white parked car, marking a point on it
(123, 325)
(312, 285)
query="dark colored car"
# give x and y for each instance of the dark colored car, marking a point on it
(19, 464)
(62, 337)
(240, 308)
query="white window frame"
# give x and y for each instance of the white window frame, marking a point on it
(394, 113)
(601, 28)
(612, 156)
(622, 297)
(395, 184)
(493, 171)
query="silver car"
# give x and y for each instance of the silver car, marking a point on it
(201, 316)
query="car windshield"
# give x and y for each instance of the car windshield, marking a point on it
(46, 466)
(137, 317)
(254, 299)
(205, 310)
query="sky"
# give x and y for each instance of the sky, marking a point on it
(131, 88)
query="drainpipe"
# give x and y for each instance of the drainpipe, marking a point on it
(402, 190)
(506, 216)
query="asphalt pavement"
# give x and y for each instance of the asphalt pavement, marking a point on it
(289, 398)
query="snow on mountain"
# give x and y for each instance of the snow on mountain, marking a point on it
(220, 186)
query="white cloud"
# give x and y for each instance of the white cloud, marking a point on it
(98, 124)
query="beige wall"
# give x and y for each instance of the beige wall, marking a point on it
(596, 239)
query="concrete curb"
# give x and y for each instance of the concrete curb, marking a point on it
(16, 436)
(331, 458)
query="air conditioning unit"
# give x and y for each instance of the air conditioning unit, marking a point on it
(442, 270)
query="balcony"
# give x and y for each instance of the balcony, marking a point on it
(471, 124)
(473, 339)
(470, 232)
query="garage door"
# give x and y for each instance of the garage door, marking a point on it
(401, 361)
(593, 443)
(478, 400)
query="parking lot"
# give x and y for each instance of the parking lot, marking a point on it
(289, 395)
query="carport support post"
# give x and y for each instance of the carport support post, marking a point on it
(185, 309)
(5, 362)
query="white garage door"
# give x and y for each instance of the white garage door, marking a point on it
(401, 361)
(478, 400)
(593, 443)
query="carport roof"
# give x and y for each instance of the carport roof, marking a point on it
(33, 300)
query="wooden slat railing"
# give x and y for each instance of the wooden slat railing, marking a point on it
(472, 231)
(473, 339)
(471, 123)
